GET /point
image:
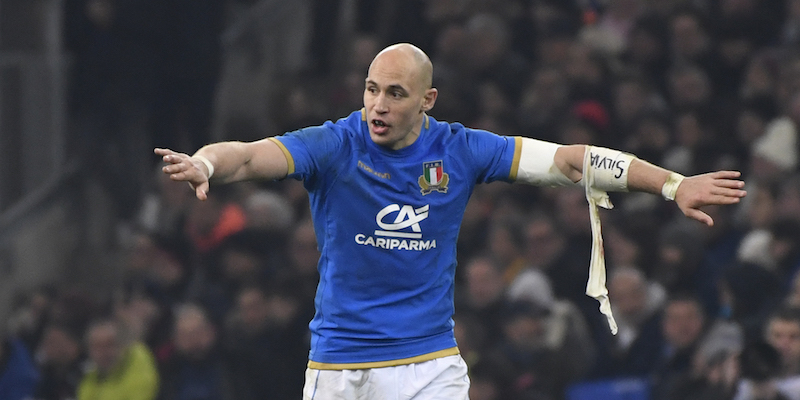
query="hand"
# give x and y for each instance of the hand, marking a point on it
(182, 167)
(714, 188)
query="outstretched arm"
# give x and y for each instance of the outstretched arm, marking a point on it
(694, 192)
(229, 161)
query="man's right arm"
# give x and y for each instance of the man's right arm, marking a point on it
(229, 162)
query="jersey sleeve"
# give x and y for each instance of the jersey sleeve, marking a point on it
(494, 155)
(310, 150)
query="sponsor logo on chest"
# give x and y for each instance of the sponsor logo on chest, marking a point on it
(399, 229)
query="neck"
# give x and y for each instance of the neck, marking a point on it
(411, 136)
(409, 139)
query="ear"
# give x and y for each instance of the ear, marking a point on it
(429, 99)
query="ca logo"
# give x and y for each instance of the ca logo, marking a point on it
(407, 216)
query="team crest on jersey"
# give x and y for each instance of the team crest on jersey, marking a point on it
(433, 178)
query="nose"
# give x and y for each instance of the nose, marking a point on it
(381, 105)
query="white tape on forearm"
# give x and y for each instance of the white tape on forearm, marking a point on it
(537, 163)
(609, 168)
(670, 188)
(208, 164)
(596, 284)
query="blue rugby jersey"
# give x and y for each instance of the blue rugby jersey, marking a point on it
(387, 223)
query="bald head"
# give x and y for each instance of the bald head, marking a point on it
(397, 93)
(409, 59)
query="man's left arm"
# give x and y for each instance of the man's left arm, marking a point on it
(690, 193)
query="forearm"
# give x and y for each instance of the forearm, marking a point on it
(615, 171)
(642, 175)
(238, 161)
(646, 177)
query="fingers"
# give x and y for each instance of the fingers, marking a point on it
(163, 152)
(202, 191)
(729, 183)
(170, 156)
(723, 200)
(725, 174)
(180, 168)
(726, 192)
(700, 216)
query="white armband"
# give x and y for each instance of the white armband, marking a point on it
(670, 188)
(534, 163)
(208, 165)
(609, 169)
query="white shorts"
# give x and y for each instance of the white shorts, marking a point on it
(442, 378)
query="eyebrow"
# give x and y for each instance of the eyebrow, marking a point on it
(391, 87)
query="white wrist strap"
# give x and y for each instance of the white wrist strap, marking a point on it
(208, 165)
(670, 188)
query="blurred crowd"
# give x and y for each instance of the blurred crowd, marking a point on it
(216, 296)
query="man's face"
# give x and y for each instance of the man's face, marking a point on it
(254, 310)
(628, 294)
(104, 347)
(58, 347)
(484, 282)
(784, 335)
(394, 99)
(194, 336)
(682, 323)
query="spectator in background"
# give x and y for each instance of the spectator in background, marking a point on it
(471, 337)
(196, 370)
(774, 248)
(486, 382)
(241, 260)
(588, 73)
(631, 97)
(59, 358)
(690, 89)
(210, 222)
(748, 294)
(784, 249)
(18, 373)
(28, 319)
(266, 343)
(490, 57)
(647, 52)
(793, 296)
(504, 243)
(546, 251)
(678, 259)
(610, 33)
(783, 333)
(788, 198)
(690, 42)
(682, 326)
(761, 364)
(144, 318)
(791, 28)
(544, 101)
(121, 369)
(714, 374)
(163, 210)
(303, 255)
(531, 368)
(637, 305)
(484, 296)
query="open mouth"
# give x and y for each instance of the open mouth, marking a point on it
(379, 126)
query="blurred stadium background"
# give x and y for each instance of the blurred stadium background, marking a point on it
(88, 230)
